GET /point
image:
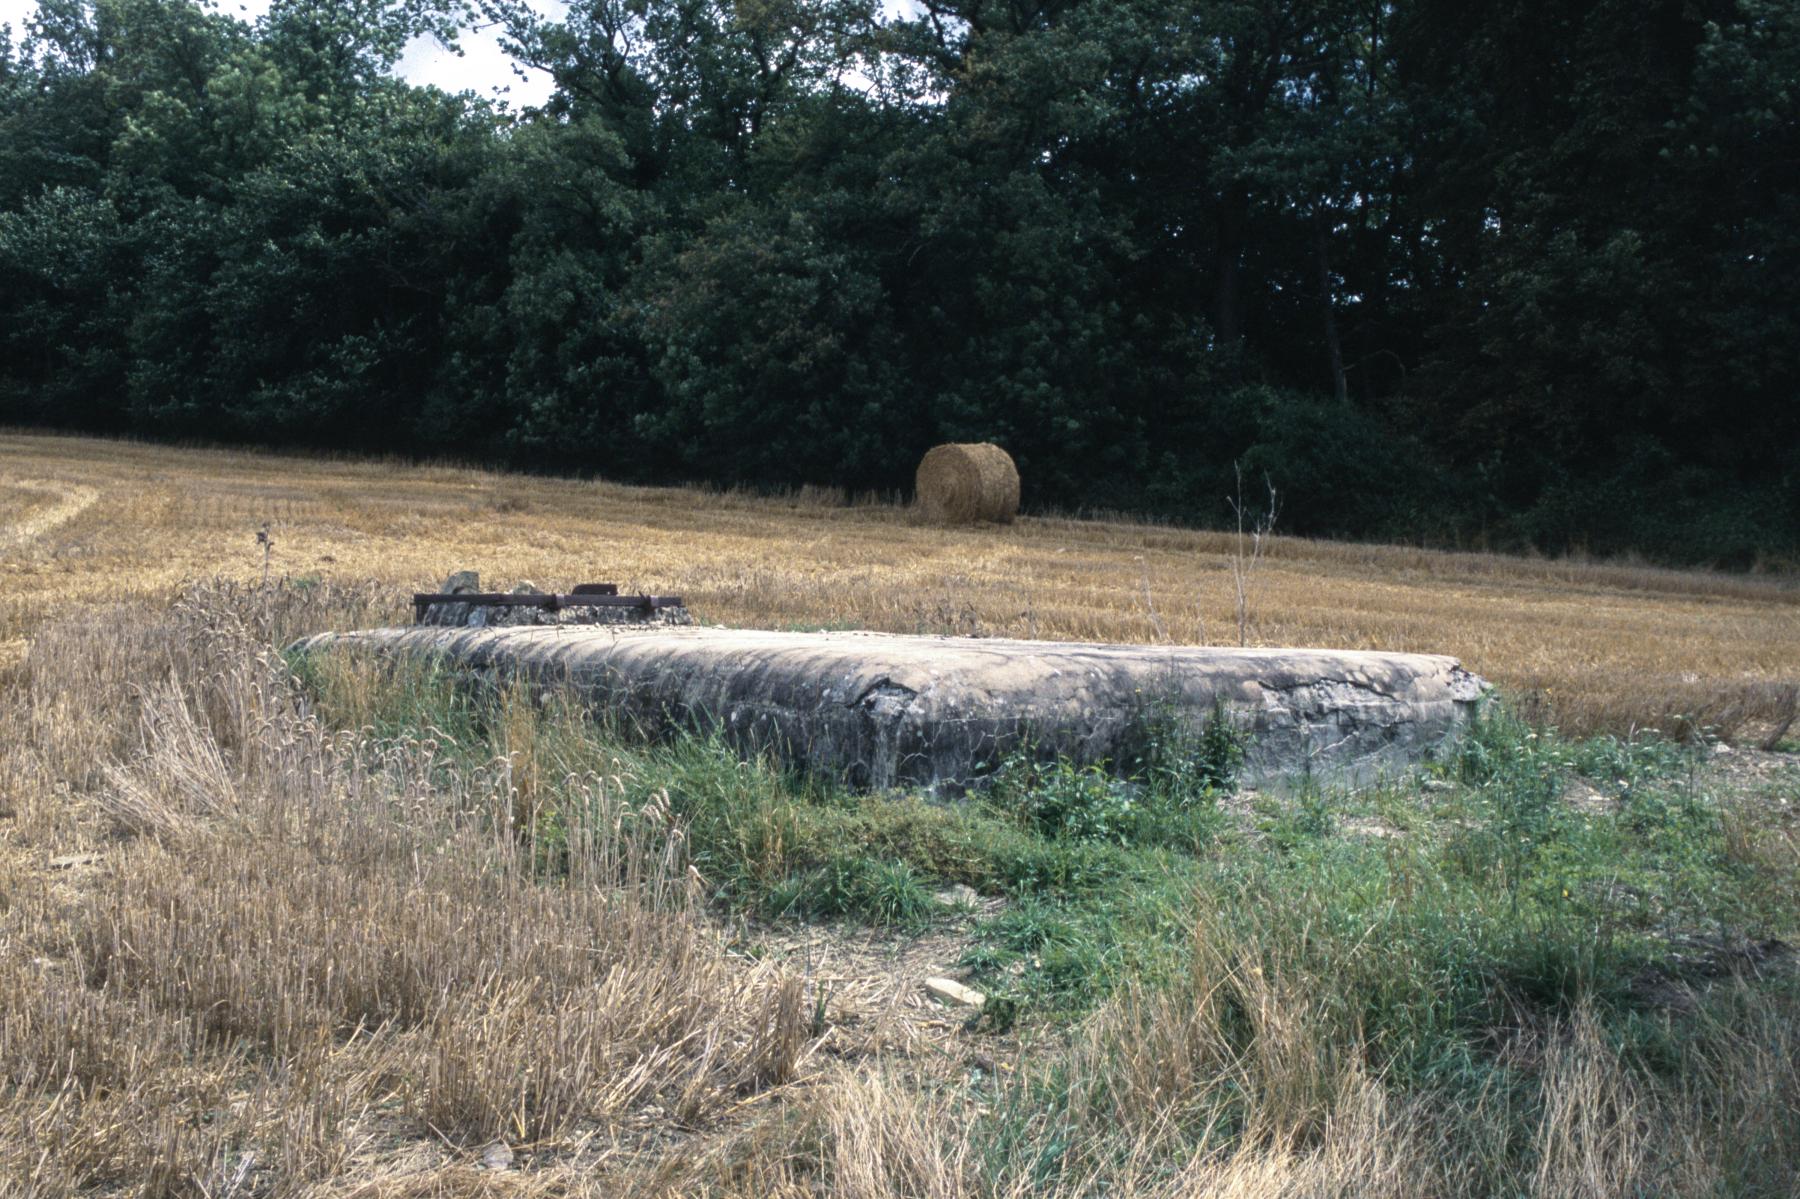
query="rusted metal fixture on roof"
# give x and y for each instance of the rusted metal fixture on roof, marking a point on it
(587, 595)
(461, 603)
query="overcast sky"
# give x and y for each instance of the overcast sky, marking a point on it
(483, 67)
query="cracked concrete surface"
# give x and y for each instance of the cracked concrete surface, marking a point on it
(880, 710)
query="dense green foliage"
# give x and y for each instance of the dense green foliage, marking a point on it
(1507, 275)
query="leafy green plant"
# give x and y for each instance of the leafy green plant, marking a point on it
(1082, 803)
(885, 893)
(894, 893)
(1628, 761)
(1307, 815)
(1000, 1014)
(1185, 766)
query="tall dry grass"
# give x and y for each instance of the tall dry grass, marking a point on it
(1243, 1082)
(277, 949)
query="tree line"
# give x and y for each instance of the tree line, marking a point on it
(1509, 274)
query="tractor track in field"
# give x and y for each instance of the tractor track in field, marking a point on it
(74, 499)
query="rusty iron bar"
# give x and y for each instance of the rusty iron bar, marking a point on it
(423, 600)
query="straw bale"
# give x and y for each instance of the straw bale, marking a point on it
(968, 483)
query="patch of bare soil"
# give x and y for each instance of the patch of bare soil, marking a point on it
(1698, 961)
(869, 994)
(1771, 776)
(1375, 827)
(1759, 793)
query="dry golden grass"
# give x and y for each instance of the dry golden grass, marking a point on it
(244, 954)
(1590, 646)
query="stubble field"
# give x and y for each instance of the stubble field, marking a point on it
(339, 928)
(1593, 647)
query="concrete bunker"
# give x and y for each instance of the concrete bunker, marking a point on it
(879, 710)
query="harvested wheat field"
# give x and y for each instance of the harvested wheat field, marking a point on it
(275, 927)
(1591, 646)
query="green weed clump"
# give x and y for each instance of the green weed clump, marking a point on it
(1514, 962)
(880, 892)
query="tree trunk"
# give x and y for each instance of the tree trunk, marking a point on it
(1229, 265)
(1333, 347)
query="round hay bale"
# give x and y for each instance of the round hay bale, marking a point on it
(968, 483)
